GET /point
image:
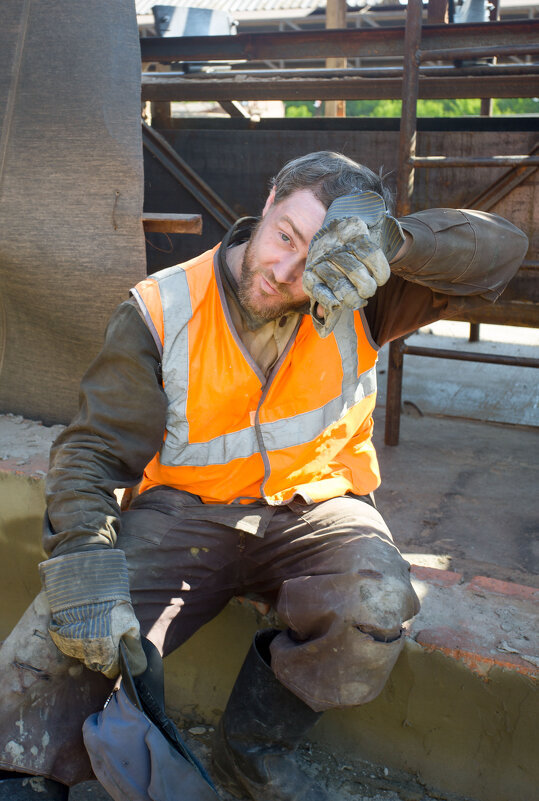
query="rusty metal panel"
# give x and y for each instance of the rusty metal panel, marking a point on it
(349, 43)
(161, 87)
(239, 160)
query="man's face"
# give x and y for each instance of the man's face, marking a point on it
(270, 282)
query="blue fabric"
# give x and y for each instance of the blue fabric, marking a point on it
(90, 621)
(134, 761)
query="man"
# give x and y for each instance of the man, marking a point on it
(240, 388)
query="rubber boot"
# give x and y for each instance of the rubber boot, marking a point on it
(23, 787)
(253, 749)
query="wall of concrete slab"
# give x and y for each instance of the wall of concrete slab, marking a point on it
(457, 723)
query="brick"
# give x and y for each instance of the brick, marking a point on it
(461, 644)
(441, 578)
(482, 584)
(36, 467)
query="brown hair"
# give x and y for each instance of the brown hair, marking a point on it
(328, 175)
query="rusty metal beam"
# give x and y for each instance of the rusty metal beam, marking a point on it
(348, 43)
(158, 146)
(471, 356)
(405, 188)
(394, 392)
(234, 109)
(172, 223)
(432, 71)
(408, 126)
(475, 161)
(222, 88)
(523, 315)
(501, 51)
(438, 11)
(489, 197)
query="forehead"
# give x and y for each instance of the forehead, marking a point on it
(302, 210)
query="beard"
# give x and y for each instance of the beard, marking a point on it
(262, 307)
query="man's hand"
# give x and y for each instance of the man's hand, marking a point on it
(349, 257)
(91, 609)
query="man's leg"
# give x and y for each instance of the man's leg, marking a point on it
(182, 573)
(343, 589)
(345, 595)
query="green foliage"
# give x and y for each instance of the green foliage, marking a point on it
(516, 105)
(300, 109)
(462, 107)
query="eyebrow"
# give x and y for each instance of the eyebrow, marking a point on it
(296, 230)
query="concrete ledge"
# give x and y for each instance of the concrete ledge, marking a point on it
(458, 716)
(483, 623)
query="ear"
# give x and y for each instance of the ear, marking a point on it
(269, 202)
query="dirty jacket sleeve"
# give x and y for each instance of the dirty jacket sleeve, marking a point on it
(118, 429)
(453, 253)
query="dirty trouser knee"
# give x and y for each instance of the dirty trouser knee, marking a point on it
(45, 697)
(345, 613)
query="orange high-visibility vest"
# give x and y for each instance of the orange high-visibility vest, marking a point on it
(234, 434)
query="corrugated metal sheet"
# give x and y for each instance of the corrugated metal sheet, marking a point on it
(303, 7)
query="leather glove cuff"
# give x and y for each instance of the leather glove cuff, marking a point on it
(370, 207)
(83, 578)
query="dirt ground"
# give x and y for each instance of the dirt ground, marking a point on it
(344, 782)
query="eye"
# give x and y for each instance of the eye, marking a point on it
(286, 239)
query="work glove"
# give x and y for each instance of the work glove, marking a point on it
(349, 256)
(91, 610)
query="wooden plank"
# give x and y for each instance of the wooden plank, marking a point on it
(172, 223)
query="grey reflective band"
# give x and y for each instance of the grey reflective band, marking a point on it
(148, 319)
(220, 450)
(177, 312)
(277, 435)
(305, 427)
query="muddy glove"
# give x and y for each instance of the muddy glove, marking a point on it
(349, 256)
(91, 609)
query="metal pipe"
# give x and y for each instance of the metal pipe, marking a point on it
(349, 43)
(474, 333)
(469, 356)
(475, 161)
(440, 71)
(394, 392)
(408, 126)
(449, 54)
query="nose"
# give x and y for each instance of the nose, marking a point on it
(289, 269)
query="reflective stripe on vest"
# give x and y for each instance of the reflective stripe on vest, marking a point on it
(165, 299)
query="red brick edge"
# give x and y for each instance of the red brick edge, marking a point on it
(458, 643)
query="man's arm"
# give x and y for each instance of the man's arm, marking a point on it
(461, 252)
(118, 429)
(448, 252)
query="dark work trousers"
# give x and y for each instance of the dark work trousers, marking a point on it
(330, 569)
